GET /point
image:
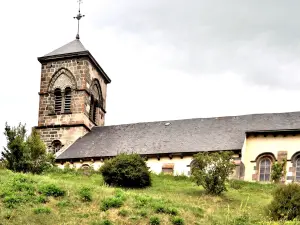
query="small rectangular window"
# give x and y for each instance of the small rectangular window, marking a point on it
(168, 168)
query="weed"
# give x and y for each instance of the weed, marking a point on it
(177, 220)
(123, 212)
(63, 203)
(52, 190)
(142, 200)
(12, 201)
(103, 222)
(172, 211)
(154, 220)
(42, 199)
(112, 202)
(42, 210)
(161, 208)
(120, 194)
(142, 213)
(85, 194)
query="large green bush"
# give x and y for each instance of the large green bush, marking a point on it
(286, 203)
(212, 170)
(126, 171)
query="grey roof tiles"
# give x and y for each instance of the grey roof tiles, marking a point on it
(189, 135)
(71, 47)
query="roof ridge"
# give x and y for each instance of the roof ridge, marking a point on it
(199, 118)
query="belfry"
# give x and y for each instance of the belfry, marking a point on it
(72, 94)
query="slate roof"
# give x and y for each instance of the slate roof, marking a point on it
(72, 50)
(189, 135)
(72, 47)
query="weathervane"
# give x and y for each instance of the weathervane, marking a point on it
(78, 17)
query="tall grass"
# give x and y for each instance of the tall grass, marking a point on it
(60, 197)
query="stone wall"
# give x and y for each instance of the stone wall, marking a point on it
(66, 135)
(77, 74)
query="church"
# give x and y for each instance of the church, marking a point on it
(71, 122)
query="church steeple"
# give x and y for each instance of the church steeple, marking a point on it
(78, 17)
(72, 94)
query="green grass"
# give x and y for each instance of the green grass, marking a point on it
(75, 198)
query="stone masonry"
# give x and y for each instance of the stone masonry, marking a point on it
(79, 74)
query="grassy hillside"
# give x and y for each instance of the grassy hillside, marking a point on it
(24, 200)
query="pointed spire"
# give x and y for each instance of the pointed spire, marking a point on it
(78, 17)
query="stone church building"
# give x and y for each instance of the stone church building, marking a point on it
(71, 122)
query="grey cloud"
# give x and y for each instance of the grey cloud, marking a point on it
(256, 39)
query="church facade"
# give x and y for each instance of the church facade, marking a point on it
(71, 122)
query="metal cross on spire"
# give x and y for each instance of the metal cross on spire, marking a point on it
(78, 17)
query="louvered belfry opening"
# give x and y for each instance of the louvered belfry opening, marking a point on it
(95, 110)
(68, 98)
(92, 111)
(58, 100)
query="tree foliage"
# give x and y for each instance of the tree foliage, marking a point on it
(126, 171)
(25, 154)
(278, 170)
(212, 170)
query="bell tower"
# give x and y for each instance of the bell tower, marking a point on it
(72, 94)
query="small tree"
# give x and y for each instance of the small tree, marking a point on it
(126, 171)
(38, 158)
(278, 170)
(24, 154)
(212, 170)
(15, 152)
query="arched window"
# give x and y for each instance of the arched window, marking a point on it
(58, 100)
(68, 98)
(56, 146)
(265, 169)
(85, 166)
(298, 169)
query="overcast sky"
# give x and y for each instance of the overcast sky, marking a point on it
(168, 59)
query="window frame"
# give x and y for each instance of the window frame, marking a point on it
(60, 101)
(269, 167)
(297, 169)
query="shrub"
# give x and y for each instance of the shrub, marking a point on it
(177, 221)
(278, 171)
(123, 212)
(211, 170)
(42, 210)
(154, 220)
(285, 203)
(126, 171)
(85, 194)
(113, 202)
(52, 190)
